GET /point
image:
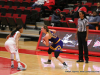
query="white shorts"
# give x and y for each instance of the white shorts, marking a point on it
(10, 46)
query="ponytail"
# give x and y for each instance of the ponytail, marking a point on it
(17, 29)
(45, 27)
(48, 31)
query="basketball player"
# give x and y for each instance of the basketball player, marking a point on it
(56, 46)
(12, 46)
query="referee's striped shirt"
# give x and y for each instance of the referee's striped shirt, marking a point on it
(82, 23)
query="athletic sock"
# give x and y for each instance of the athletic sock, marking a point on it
(49, 60)
(64, 63)
(12, 62)
(19, 64)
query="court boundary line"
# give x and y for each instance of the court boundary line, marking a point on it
(44, 53)
(53, 55)
(15, 60)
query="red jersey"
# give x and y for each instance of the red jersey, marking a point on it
(48, 3)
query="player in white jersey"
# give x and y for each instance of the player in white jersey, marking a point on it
(12, 46)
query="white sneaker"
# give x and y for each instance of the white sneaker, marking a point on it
(21, 68)
(65, 67)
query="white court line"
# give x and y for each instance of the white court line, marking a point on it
(21, 62)
(47, 56)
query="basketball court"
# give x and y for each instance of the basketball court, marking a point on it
(33, 60)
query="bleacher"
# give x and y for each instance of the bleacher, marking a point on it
(19, 12)
(89, 4)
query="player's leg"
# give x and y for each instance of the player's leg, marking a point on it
(12, 49)
(9, 48)
(56, 53)
(49, 56)
(12, 60)
(18, 61)
(58, 50)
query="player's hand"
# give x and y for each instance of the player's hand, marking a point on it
(17, 46)
(44, 42)
(76, 37)
(43, 39)
(7, 38)
(86, 38)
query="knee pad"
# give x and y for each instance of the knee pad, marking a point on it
(49, 51)
(57, 54)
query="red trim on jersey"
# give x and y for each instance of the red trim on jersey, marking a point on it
(14, 35)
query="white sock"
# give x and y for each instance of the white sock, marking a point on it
(17, 56)
(12, 58)
(19, 64)
(12, 62)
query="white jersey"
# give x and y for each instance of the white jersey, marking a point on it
(14, 36)
(10, 44)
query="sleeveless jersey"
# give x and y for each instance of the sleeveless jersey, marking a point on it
(14, 36)
(55, 39)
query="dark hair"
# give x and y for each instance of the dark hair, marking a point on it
(83, 13)
(17, 29)
(45, 27)
(79, 2)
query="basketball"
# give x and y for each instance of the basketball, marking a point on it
(43, 39)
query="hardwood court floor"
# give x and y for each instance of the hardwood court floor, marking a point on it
(30, 45)
(35, 65)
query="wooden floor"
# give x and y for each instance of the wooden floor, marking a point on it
(35, 64)
(30, 45)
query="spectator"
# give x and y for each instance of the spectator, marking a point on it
(48, 5)
(56, 18)
(94, 20)
(75, 13)
(98, 8)
(38, 3)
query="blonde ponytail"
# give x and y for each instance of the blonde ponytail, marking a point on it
(48, 31)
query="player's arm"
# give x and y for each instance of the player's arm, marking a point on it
(76, 33)
(8, 36)
(46, 40)
(17, 39)
(54, 31)
(77, 30)
(87, 31)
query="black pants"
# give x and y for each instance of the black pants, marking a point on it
(82, 44)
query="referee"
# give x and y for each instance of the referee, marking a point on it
(82, 35)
